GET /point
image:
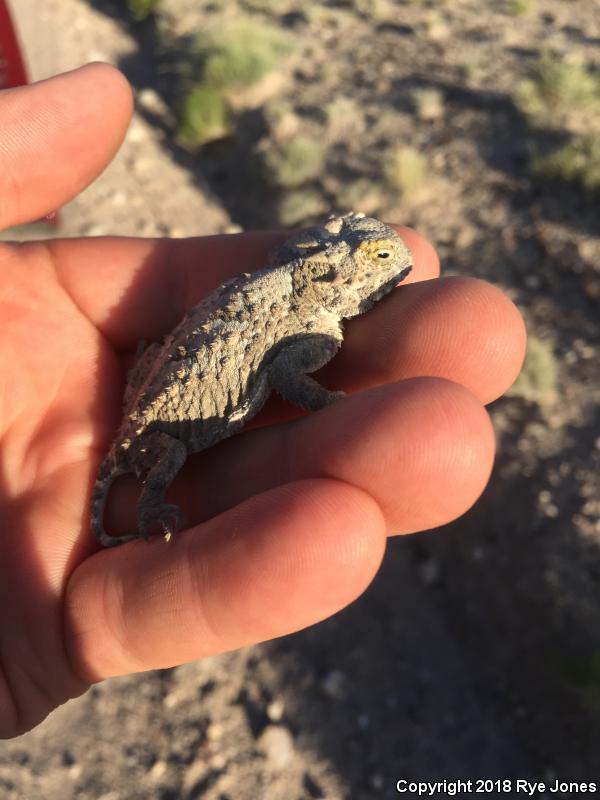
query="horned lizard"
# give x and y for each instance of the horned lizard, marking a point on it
(255, 333)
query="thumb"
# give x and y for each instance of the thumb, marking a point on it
(56, 136)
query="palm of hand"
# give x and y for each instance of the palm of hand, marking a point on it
(52, 408)
(294, 516)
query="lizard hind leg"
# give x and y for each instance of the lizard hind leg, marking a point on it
(168, 456)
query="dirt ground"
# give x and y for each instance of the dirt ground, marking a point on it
(476, 651)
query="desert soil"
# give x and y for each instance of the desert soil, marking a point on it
(476, 651)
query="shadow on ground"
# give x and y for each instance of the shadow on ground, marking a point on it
(461, 658)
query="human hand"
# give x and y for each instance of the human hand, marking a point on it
(290, 518)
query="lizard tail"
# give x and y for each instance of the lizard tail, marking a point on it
(107, 474)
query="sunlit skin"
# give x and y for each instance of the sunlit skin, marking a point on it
(288, 521)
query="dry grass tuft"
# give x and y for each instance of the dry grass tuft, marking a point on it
(538, 380)
(559, 95)
(578, 162)
(407, 171)
(296, 161)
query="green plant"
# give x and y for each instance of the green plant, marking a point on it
(296, 161)
(520, 7)
(240, 55)
(407, 171)
(578, 161)
(538, 379)
(141, 9)
(372, 9)
(299, 206)
(345, 115)
(234, 58)
(559, 94)
(428, 102)
(270, 6)
(565, 97)
(204, 117)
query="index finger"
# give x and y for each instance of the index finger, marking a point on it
(134, 289)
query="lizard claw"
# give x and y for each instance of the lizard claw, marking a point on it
(333, 397)
(171, 519)
(168, 515)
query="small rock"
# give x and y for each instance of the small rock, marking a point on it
(428, 103)
(194, 774)
(478, 553)
(151, 101)
(363, 721)
(214, 732)
(436, 28)
(171, 699)
(584, 349)
(75, 771)
(259, 93)
(429, 572)
(545, 504)
(157, 771)
(465, 237)
(97, 55)
(276, 710)
(533, 281)
(282, 120)
(333, 684)
(175, 233)
(589, 251)
(277, 744)
(93, 230)
(376, 781)
(119, 198)
(137, 132)
(142, 166)
(218, 761)
(592, 288)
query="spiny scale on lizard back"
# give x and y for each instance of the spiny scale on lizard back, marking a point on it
(227, 335)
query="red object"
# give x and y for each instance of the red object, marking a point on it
(12, 65)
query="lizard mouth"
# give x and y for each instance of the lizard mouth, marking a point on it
(384, 289)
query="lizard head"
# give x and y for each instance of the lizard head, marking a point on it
(349, 263)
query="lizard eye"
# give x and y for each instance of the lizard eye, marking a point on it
(383, 254)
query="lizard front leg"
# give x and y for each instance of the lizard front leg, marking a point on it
(287, 372)
(167, 456)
